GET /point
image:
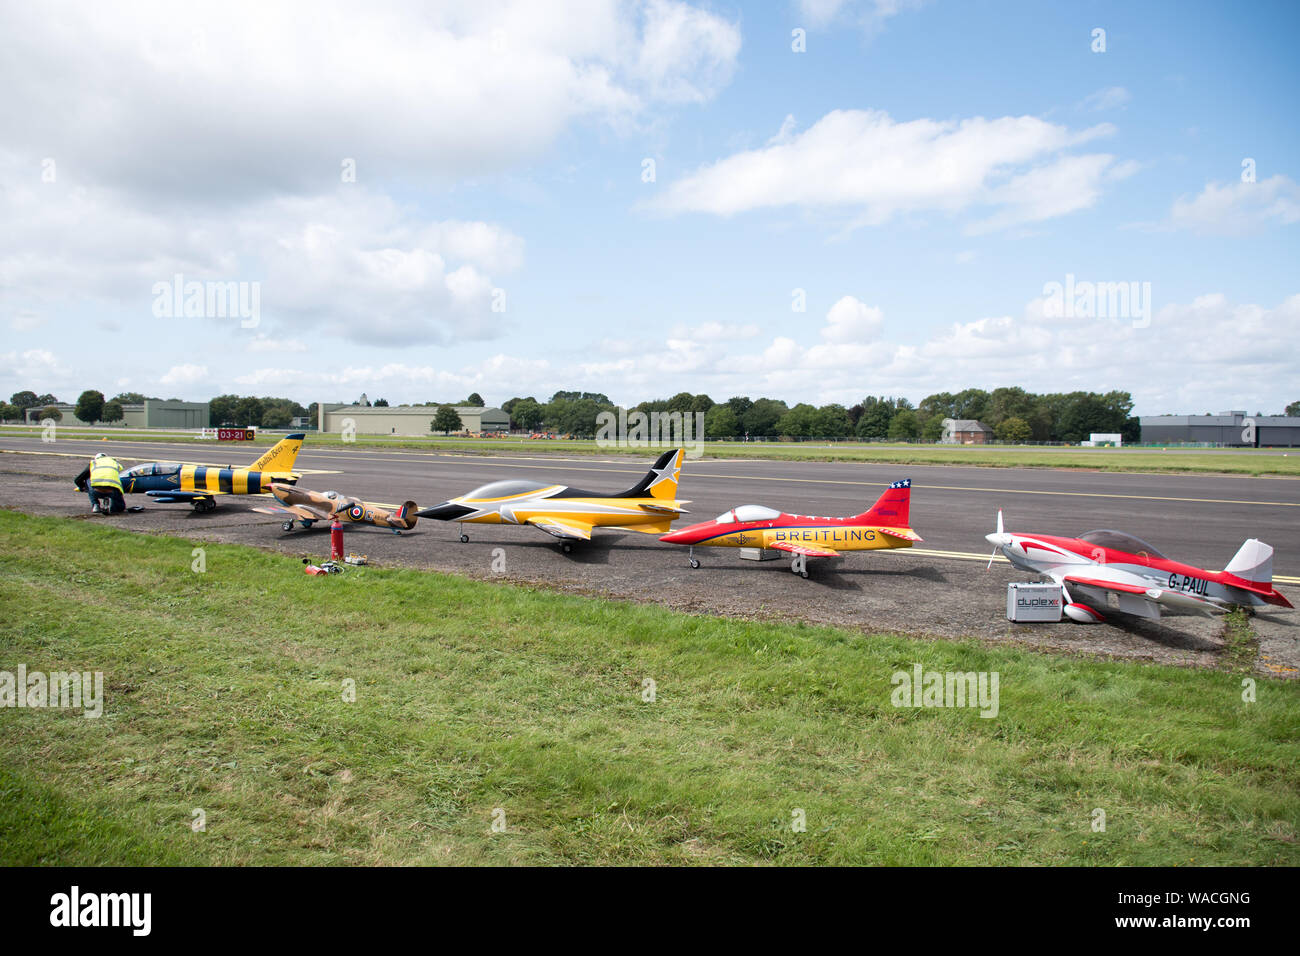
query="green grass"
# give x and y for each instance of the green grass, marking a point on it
(1239, 461)
(224, 693)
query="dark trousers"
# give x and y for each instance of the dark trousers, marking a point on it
(118, 502)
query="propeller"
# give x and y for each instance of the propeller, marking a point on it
(995, 545)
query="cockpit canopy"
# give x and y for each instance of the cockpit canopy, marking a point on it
(748, 513)
(505, 489)
(147, 468)
(1119, 541)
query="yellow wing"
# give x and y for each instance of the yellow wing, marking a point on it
(562, 527)
(805, 551)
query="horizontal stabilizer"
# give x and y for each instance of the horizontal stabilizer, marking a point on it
(907, 534)
(666, 507)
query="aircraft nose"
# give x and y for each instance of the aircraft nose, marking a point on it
(447, 511)
(998, 539)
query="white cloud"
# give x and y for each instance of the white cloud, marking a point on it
(870, 14)
(866, 161)
(851, 321)
(185, 375)
(247, 98)
(1109, 98)
(210, 141)
(1239, 208)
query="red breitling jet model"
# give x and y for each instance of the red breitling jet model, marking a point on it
(883, 525)
(1102, 570)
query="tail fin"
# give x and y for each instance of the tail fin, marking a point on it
(407, 513)
(280, 456)
(661, 480)
(1252, 566)
(1254, 562)
(892, 508)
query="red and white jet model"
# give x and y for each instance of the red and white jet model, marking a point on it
(883, 525)
(1111, 570)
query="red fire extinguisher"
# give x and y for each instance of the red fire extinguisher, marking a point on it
(336, 540)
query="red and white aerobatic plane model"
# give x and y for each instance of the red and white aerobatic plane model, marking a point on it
(1116, 571)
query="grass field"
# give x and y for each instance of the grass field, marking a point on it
(224, 693)
(1241, 461)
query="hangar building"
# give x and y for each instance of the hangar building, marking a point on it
(151, 413)
(407, 420)
(1226, 428)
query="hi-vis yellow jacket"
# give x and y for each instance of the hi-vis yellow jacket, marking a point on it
(105, 473)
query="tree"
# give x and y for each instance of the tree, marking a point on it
(721, 422)
(761, 417)
(445, 420)
(877, 413)
(833, 421)
(9, 412)
(381, 403)
(526, 413)
(1004, 403)
(50, 412)
(1013, 430)
(46, 399)
(24, 400)
(1293, 409)
(248, 412)
(799, 422)
(739, 404)
(277, 416)
(113, 411)
(474, 399)
(90, 406)
(904, 426)
(133, 398)
(575, 416)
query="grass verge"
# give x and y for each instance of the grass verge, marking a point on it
(225, 693)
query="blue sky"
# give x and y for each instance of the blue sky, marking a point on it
(918, 176)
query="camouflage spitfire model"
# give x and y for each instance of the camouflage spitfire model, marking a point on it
(307, 507)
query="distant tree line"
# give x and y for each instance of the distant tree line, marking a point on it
(1014, 414)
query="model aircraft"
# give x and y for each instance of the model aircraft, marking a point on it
(650, 506)
(307, 507)
(170, 482)
(1112, 570)
(883, 525)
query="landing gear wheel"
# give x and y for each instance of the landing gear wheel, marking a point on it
(287, 526)
(566, 547)
(205, 505)
(695, 562)
(463, 537)
(397, 531)
(307, 524)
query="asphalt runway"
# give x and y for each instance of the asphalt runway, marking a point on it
(940, 587)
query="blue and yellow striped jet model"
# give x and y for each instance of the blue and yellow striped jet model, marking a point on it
(172, 482)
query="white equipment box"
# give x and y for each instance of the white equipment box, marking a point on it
(1034, 602)
(758, 554)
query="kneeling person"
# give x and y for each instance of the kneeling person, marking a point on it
(103, 476)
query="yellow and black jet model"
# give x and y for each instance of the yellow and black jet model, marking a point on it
(650, 506)
(172, 482)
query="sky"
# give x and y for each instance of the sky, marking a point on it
(813, 201)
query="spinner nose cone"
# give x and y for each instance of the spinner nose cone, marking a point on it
(685, 535)
(447, 511)
(998, 539)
